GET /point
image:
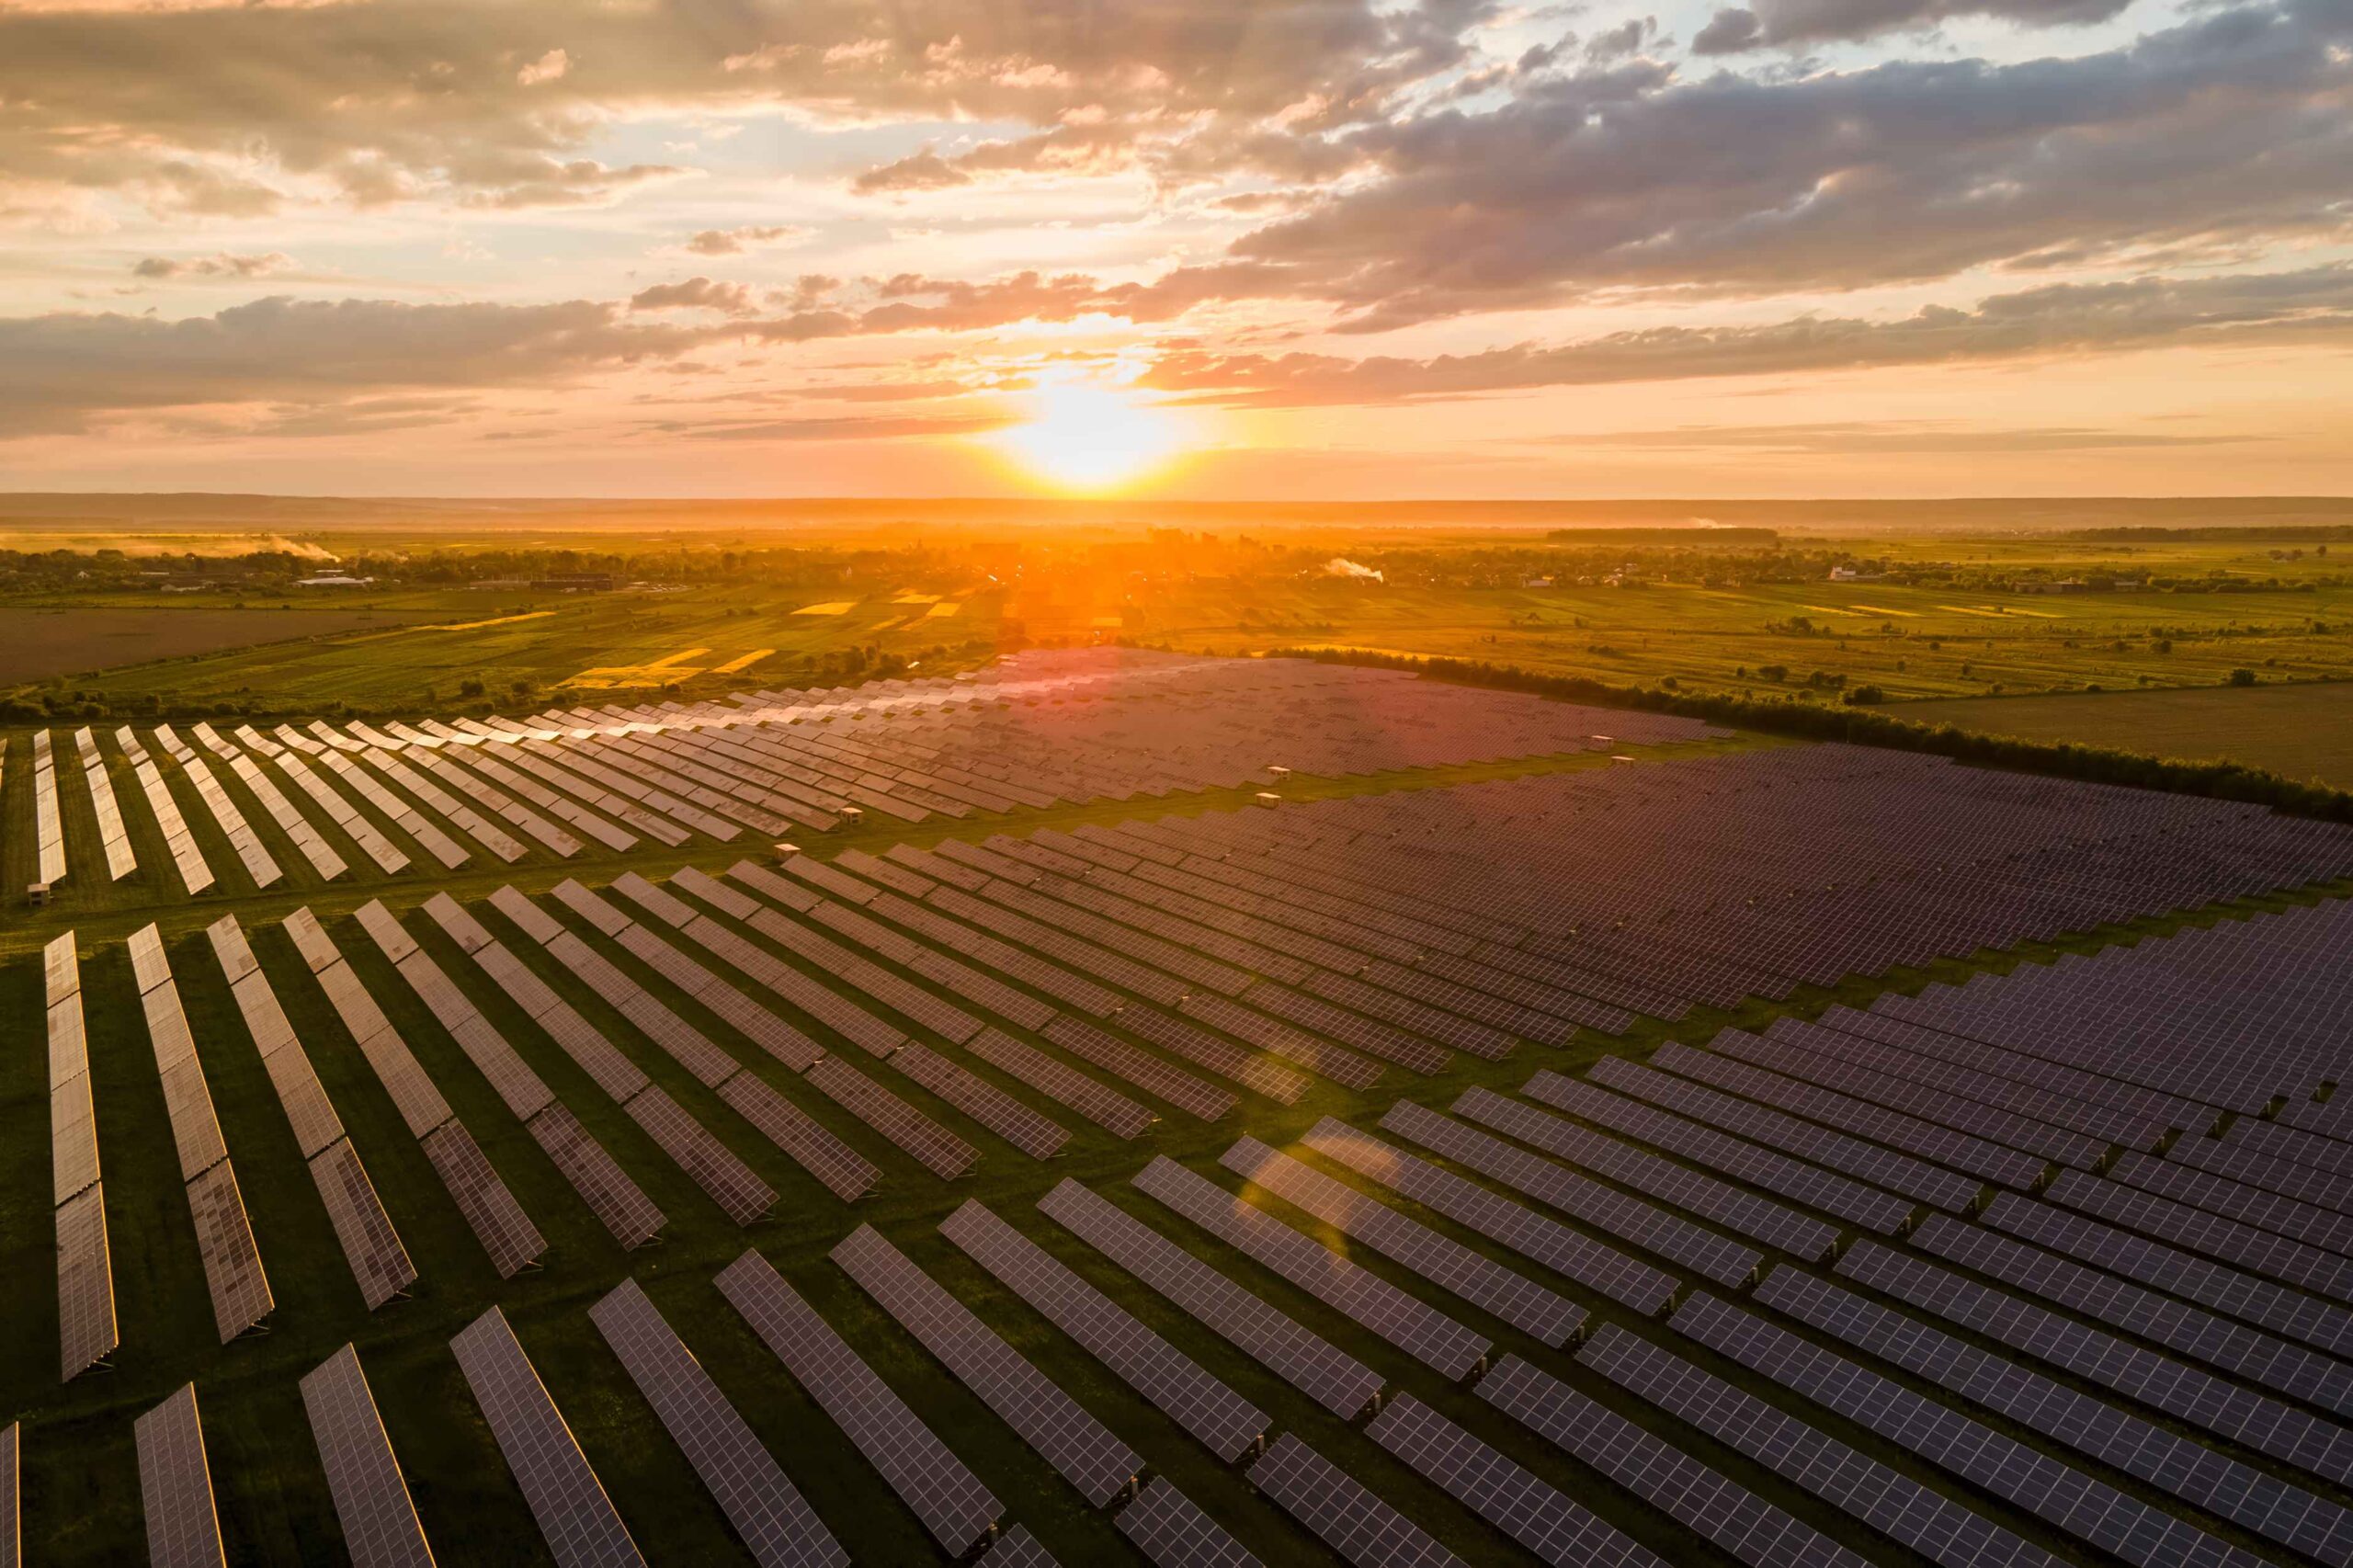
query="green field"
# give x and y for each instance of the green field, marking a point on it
(2302, 731)
(416, 650)
(39, 644)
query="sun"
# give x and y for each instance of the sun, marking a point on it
(1092, 437)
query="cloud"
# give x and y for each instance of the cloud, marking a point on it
(506, 183)
(845, 428)
(375, 101)
(548, 67)
(2230, 130)
(1793, 23)
(735, 242)
(1730, 31)
(1891, 437)
(221, 264)
(2315, 305)
(696, 294)
(70, 371)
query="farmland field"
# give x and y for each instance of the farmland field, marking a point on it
(418, 646)
(38, 644)
(2303, 731)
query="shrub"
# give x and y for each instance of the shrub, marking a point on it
(2241, 676)
(1865, 695)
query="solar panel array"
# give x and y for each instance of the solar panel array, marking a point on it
(175, 1485)
(2068, 1498)
(1077, 1445)
(627, 1215)
(1706, 1501)
(498, 1221)
(1331, 1377)
(1421, 1330)
(2071, 1246)
(371, 1500)
(114, 838)
(187, 856)
(1890, 1502)
(1170, 1530)
(1341, 1511)
(1565, 1252)
(576, 1517)
(224, 1236)
(86, 1318)
(1522, 1505)
(947, 1498)
(1506, 1294)
(1225, 1422)
(380, 1264)
(49, 824)
(772, 1520)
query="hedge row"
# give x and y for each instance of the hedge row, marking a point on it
(1863, 726)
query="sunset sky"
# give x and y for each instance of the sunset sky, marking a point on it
(1227, 248)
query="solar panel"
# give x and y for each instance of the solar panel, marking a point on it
(1036, 1135)
(1889, 1501)
(1750, 1528)
(947, 1497)
(149, 967)
(1078, 1446)
(1733, 1208)
(11, 1532)
(1141, 1068)
(1510, 1296)
(715, 1168)
(73, 1135)
(224, 1238)
(1750, 1162)
(2188, 1470)
(378, 1263)
(1414, 1328)
(771, 1517)
(1228, 1424)
(1171, 1531)
(2074, 1502)
(846, 1174)
(1335, 1505)
(576, 1517)
(195, 1130)
(372, 1501)
(2285, 1312)
(1528, 1509)
(1106, 1107)
(61, 969)
(617, 1201)
(1604, 1207)
(498, 1220)
(1331, 1377)
(946, 1156)
(85, 1320)
(2259, 1358)
(175, 1487)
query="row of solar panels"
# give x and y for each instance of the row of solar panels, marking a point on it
(1355, 1521)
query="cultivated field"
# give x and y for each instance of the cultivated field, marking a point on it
(39, 644)
(2302, 731)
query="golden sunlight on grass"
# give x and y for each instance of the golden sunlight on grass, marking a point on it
(1086, 437)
